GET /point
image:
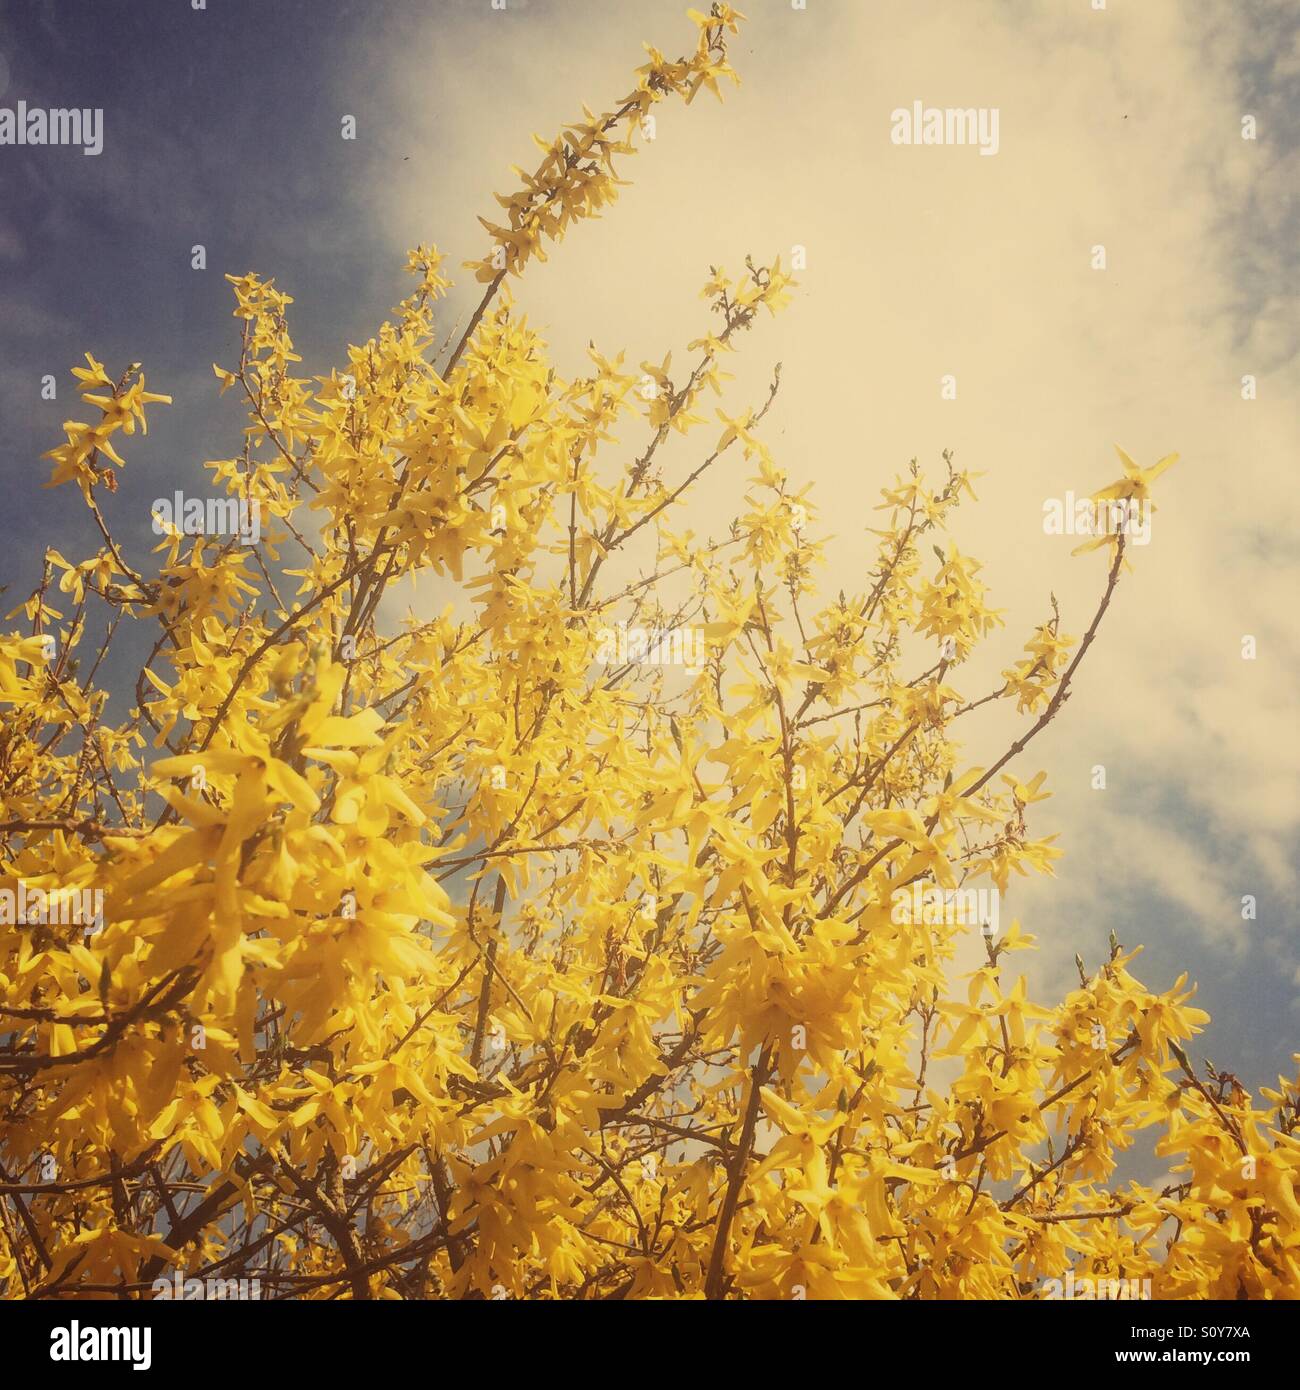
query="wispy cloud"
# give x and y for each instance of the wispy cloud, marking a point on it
(1119, 128)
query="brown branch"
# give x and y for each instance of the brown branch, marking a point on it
(736, 1176)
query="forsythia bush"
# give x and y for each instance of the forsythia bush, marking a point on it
(455, 957)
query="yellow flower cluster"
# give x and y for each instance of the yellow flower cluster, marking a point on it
(440, 958)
